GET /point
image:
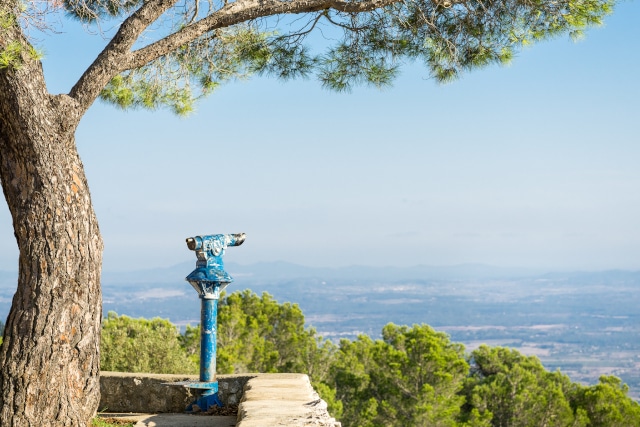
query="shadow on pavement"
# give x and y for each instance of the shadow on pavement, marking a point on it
(173, 420)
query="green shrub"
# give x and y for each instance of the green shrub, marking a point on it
(143, 345)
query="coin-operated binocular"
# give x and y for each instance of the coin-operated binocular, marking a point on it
(208, 279)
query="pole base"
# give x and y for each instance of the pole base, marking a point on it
(206, 400)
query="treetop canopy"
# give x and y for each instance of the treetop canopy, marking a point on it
(171, 52)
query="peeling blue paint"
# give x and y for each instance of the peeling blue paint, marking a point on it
(208, 279)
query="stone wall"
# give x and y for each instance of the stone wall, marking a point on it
(148, 393)
(263, 399)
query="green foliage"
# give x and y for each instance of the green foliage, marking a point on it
(7, 19)
(449, 36)
(354, 63)
(92, 10)
(142, 345)
(416, 377)
(410, 377)
(413, 376)
(329, 395)
(13, 53)
(190, 343)
(133, 90)
(517, 391)
(10, 56)
(109, 422)
(607, 404)
(179, 79)
(256, 334)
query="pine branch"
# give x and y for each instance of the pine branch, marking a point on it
(116, 56)
(243, 11)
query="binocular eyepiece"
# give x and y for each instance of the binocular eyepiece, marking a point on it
(209, 277)
(215, 243)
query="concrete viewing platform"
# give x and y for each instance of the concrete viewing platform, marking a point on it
(262, 399)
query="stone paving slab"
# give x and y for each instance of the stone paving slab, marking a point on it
(282, 400)
(268, 400)
(174, 420)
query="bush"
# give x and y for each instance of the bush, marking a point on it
(143, 345)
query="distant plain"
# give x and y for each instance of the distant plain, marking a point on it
(586, 324)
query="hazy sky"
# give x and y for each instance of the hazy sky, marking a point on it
(533, 165)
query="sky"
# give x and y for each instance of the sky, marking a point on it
(533, 165)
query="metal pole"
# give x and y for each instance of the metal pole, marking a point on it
(208, 339)
(209, 279)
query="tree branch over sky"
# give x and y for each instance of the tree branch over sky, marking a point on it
(117, 53)
(377, 36)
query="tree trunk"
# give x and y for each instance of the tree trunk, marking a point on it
(50, 358)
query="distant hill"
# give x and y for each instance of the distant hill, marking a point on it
(283, 271)
(279, 271)
(585, 323)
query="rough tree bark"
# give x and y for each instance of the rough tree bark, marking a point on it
(50, 355)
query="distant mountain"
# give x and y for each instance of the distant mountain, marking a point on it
(584, 323)
(280, 271)
(592, 277)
